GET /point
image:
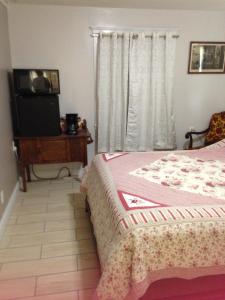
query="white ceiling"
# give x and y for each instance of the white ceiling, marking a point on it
(154, 4)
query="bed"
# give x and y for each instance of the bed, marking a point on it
(159, 217)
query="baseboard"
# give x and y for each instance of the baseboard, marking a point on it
(8, 209)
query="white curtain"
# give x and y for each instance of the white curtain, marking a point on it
(140, 132)
(112, 91)
(135, 84)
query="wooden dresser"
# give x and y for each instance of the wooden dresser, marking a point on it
(53, 149)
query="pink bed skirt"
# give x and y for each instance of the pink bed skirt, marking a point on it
(203, 288)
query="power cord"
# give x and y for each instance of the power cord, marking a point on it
(51, 178)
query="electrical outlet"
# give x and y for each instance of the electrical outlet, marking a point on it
(191, 128)
(2, 197)
(14, 149)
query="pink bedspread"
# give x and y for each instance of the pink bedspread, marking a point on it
(149, 228)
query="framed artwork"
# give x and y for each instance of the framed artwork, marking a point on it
(207, 58)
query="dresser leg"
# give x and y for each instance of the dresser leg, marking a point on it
(23, 176)
(28, 173)
(24, 182)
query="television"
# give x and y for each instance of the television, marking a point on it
(36, 81)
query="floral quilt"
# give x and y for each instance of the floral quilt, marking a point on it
(156, 215)
(206, 177)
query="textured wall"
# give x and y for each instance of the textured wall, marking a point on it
(58, 37)
(8, 174)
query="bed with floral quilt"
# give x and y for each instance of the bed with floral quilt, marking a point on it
(157, 215)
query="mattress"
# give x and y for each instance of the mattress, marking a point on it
(156, 215)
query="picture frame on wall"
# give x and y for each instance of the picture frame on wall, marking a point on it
(206, 58)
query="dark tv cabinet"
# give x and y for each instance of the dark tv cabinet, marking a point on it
(35, 115)
(52, 149)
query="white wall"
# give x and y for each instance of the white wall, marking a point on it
(58, 37)
(8, 172)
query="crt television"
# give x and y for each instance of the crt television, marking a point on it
(36, 81)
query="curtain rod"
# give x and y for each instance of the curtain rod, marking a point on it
(176, 36)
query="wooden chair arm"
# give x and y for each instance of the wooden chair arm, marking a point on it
(189, 134)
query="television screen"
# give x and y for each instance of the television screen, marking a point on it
(36, 81)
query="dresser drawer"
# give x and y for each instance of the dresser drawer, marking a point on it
(78, 150)
(28, 151)
(53, 151)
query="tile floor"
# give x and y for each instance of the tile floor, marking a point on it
(48, 251)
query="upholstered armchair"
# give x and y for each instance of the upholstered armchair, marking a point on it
(214, 133)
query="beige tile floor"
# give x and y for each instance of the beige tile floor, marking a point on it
(48, 251)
